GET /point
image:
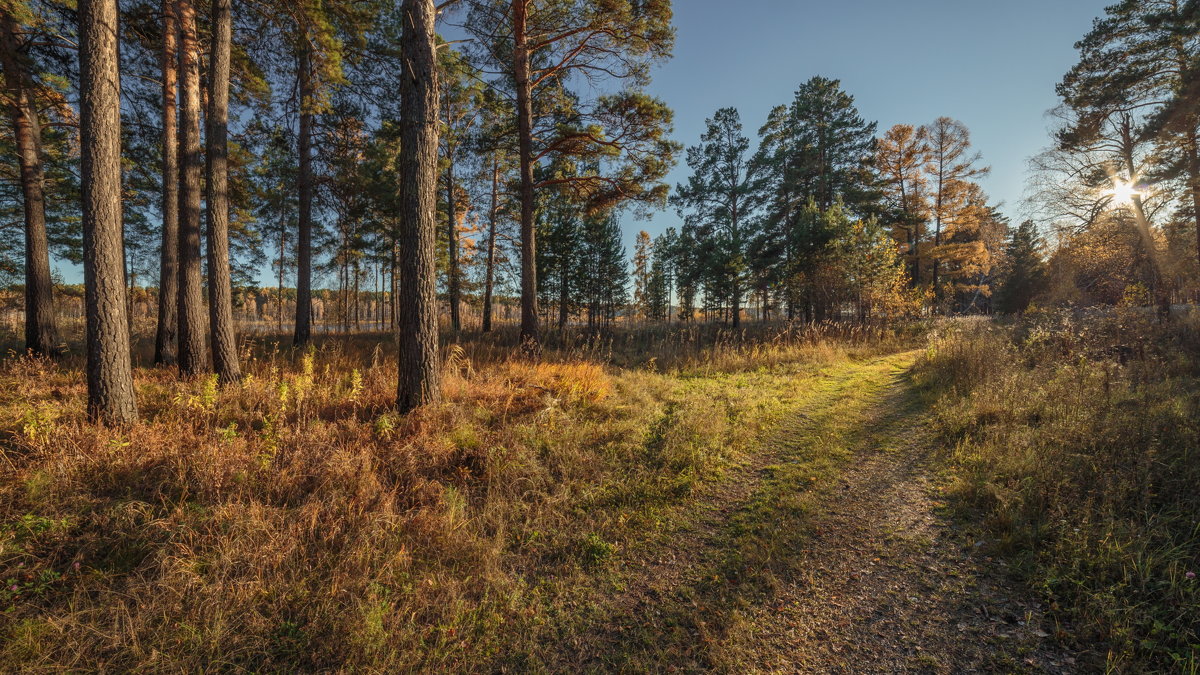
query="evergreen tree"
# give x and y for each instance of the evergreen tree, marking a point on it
(21, 99)
(220, 284)
(686, 256)
(1023, 272)
(460, 107)
(642, 253)
(166, 346)
(539, 45)
(420, 367)
(603, 270)
(718, 208)
(490, 143)
(191, 332)
(1137, 67)
(111, 397)
(318, 36)
(559, 230)
(657, 296)
(876, 280)
(817, 149)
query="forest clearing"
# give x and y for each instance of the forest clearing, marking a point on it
(833, 500)
(558, 336)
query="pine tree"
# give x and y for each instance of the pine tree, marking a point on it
(493, 142)
(460, 106)
(1138, 66)
(111, 397)
(873, 268)
(817, 149)
(538, 45)
(717, 205)
(220, 286)
(658, 281)
(642, 252)
(602, 289)
(559, 231)
(192, 349)
(821, 148)
(419, 382)
(1024, 271)
(166, 346)
(41, 333)
(317, 34)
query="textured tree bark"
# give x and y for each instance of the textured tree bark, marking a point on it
(419, 380)
(304, 185)
(220, 286)
(41, 334)
(166, 347)
(192, 357)
(490, 273)
(111, 396)
(530, 340)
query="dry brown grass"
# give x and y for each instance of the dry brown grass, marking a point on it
(294, 522)
(1073, 441)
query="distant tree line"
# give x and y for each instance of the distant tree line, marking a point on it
(190, 146)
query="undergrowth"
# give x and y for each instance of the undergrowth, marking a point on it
(1075, 439)
(293, 522)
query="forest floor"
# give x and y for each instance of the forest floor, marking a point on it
(830, 550)
(937, 502)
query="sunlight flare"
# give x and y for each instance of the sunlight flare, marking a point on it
(1124, 192)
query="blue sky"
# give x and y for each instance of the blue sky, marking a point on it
(991, 64)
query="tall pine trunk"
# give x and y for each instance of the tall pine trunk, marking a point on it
(305, 187)
(111, 397)
(1158, 280)
(452, 272)
(419, 377)
(282, 259)
(166, 346)
(1193, 173)
(192, 359)
(394, 300)
(737, 288)
(490, 273)
(41, 334)
(357, 296)
(220, 285)
(564, 296)
(521, 73)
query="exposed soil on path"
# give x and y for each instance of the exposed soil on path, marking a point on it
(863, 572)
(891, 586)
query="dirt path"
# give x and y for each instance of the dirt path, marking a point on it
(827, 552)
